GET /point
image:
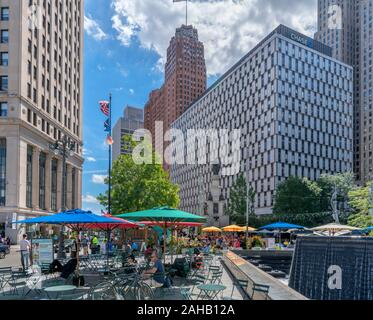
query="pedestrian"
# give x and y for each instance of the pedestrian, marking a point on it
(94, 245)
(25, 247)
(85, 245)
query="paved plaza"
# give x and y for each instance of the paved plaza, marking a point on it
(176, 292)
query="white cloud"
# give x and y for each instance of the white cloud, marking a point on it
(131, 91)
(228, 28)
(93, 29)
(91, 159)
(98, 179)
(90, 199)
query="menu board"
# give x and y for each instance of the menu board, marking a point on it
(42, 251)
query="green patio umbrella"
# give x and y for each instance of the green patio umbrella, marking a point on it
(163, 216)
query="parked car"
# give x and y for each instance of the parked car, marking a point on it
(4, 250)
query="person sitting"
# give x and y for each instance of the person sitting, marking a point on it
(206, 249)
(130, 265)
(148, 252)
(157, 273)
(65, 270)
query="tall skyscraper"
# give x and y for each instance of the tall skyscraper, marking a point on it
(346, 26)
(185, 80)
(293, 105)
(133, 119)
(41, 74)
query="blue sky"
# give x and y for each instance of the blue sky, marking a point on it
(109, 67)
(125, 47)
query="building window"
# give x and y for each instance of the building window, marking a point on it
(3, 109)
(30, 151)
(54, 185)
(3, 83)
(4, 59)
(73, 184)
(42, 162)
(2, 171)
(4, 36)
(5, 14)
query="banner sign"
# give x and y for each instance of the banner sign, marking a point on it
(42, 251)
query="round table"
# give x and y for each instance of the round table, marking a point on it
(211, 290)
(59, 289)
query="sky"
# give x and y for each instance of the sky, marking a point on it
(125, 47)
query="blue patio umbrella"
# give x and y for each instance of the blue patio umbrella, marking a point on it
(281, 226)
(76, 220)
(367, 230)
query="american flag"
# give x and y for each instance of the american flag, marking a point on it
(105, 107)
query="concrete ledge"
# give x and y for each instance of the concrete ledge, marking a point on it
(243, 270)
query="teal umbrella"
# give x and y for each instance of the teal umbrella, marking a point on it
(163, 216)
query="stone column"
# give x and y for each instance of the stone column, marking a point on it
(48, 182)
(69, 187)
(35, 178)
(59, 185)
(12, 172)
(78, 187)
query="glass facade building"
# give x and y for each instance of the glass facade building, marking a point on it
(293, 105)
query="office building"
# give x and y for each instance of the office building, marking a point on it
(292, 102)
(132, 120)
(347, 27)
(41, 76)
(185, 80)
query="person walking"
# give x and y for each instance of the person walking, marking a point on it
(25, 247)
(94, 245)
(85, 242)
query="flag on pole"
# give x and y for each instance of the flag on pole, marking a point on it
(107, 125)
(109, 140)
(105, 107)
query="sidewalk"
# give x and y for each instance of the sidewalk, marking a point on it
(13, 259)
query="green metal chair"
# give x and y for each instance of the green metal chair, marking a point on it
(240, 285)
(260, 292)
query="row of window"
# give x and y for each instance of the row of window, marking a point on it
(42, 172)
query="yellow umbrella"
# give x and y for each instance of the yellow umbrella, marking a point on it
(243, 229)
(211, 229)
(232, 229)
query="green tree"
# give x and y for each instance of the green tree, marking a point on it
(359, 201)
(297, 196)
(237, 200)
(137, 186)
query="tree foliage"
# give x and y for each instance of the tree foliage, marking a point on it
(296, 195)
(138, 187)
(237, 202)
(360, 202)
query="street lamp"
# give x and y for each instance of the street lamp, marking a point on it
(65, 148)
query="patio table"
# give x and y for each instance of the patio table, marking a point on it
(211, 290)
(59, 289)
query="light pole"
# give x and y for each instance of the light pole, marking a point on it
(371, 200)
(65, 148)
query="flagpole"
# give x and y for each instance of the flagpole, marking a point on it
(186, 13)
(109, 194)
